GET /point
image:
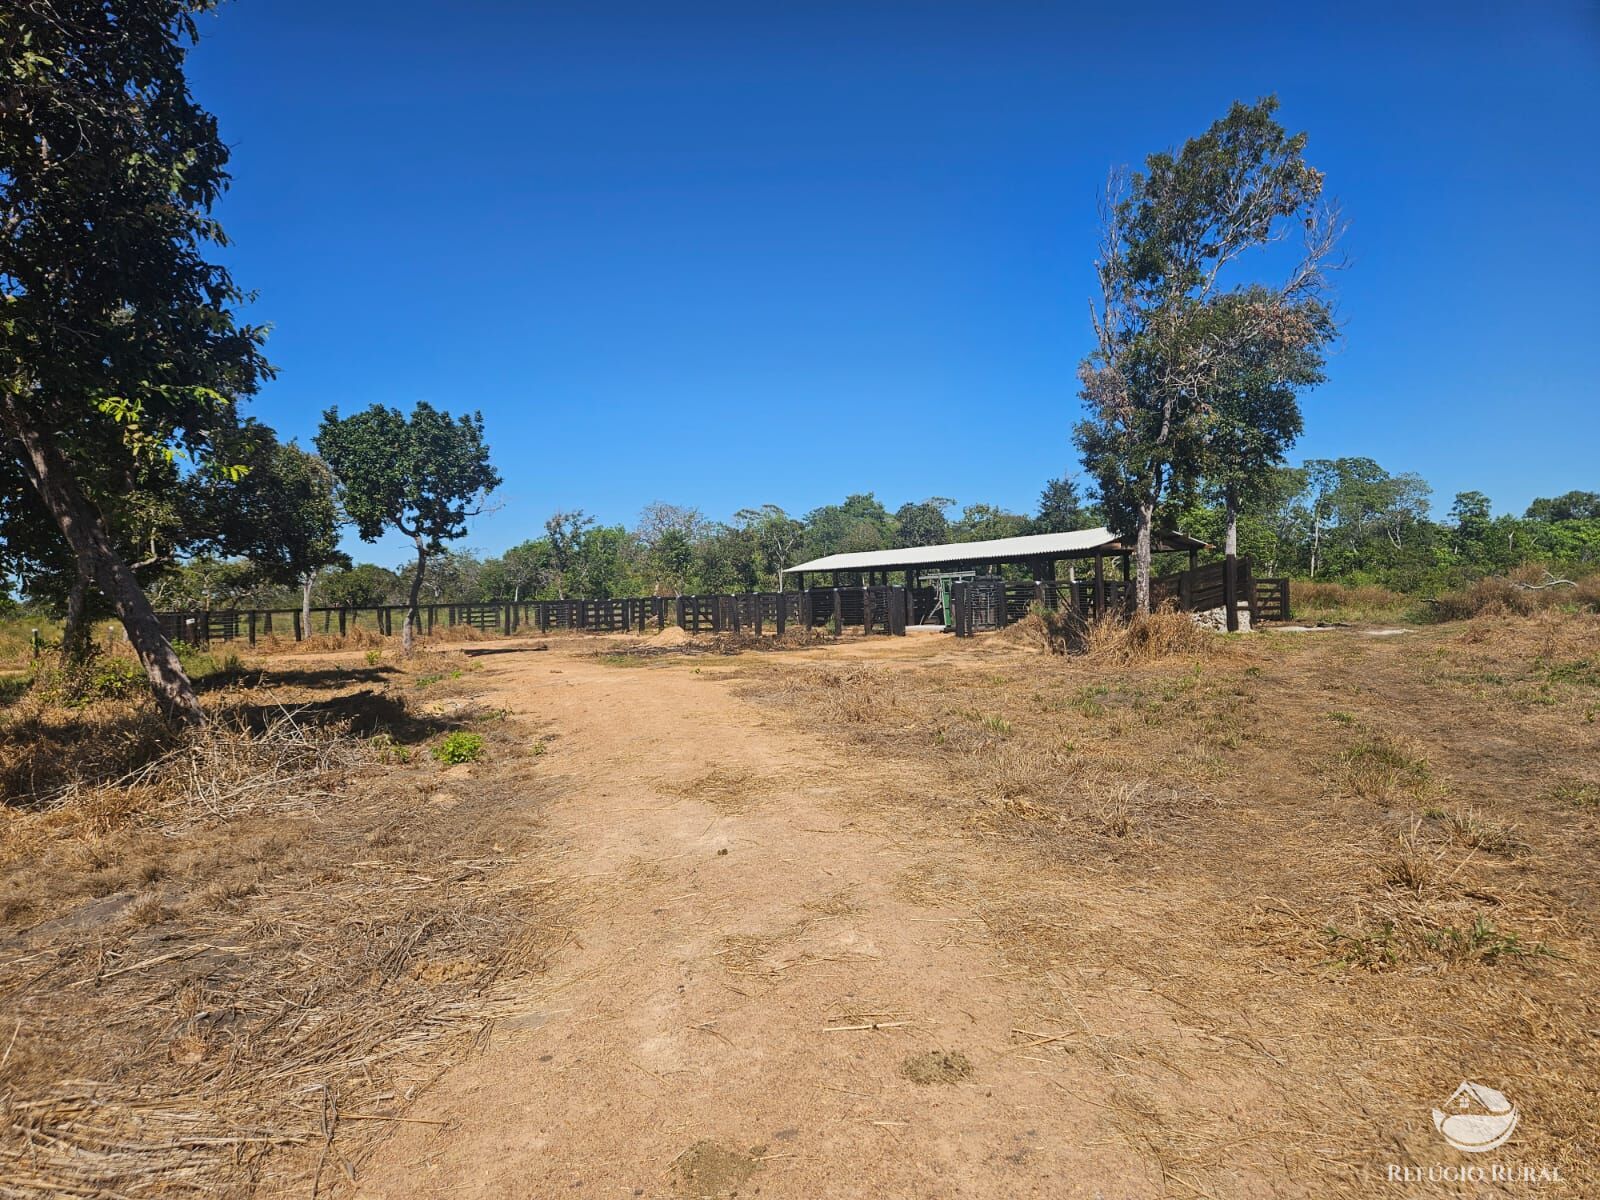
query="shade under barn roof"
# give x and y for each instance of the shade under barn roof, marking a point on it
(1079, 543)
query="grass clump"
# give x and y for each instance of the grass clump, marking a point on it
(459, 747)
(1379, 767)
(1146, 637)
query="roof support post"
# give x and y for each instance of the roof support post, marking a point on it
(1099, 584)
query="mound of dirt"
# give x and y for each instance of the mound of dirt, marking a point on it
(672, 635)
(708, 1170)
(937, 1066)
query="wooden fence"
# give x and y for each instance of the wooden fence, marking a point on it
(980, 604)
(871, 609)
(987, 603)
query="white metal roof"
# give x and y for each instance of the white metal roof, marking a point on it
(1008, 549)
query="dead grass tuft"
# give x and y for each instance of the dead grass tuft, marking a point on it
(1147, 638)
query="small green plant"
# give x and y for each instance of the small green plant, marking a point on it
(997, 724)
(1342, 718)
(389, 750)
(1372, 949)
(374, 657)
(538, 748)
(423, 681)
(459, 747)
(1482, 943)
(1576, 793)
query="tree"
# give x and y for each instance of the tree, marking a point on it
(1061, 508)
(922, 524)
(1250, 414)
(1171, 236)
(521, 570)
(564, 531)
(281, 514)
(860, 523)
(365, 585)
(667, 534)
(985, 522)
(119, 340)
(776, 535)
(157, 516)
(423, 476)
(1569, 506)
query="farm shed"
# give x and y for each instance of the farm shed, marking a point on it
(934, 569)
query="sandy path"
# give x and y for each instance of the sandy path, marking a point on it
(731, 911)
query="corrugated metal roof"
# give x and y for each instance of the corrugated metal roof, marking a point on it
(1033, 545)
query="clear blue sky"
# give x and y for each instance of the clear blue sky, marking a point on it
(777, 252)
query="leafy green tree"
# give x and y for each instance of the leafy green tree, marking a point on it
(666, 535)
(365, 585)
(155, 519)
(777, 537)
(119, 340)
(1569, 506)
(860, 523)
(603, 564)
(518, 573)
(281, 513)
(565, 531)
(424, 476)
(924, 523)
(1250, 413)
(1172, 235)
(983, 522)
(1061, 508)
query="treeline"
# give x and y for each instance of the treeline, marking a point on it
(1342, 520)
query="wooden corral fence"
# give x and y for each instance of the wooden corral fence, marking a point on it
(980, 604)
(870, 609)
(988, 603)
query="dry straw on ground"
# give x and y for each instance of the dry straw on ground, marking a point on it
(225, 972)
(1332, 873)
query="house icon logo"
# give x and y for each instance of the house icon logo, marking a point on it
(1476, 1118)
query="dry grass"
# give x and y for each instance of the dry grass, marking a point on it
(1147, 638)
(226, 970)
(1329, 875)
(1525, 591)
(1340, 603)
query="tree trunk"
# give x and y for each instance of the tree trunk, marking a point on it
(306, 581)
(1230, 567)
(408, 630)
(1141, 558)
(75, 630)
(85, 531)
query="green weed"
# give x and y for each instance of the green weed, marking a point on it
(459, 747)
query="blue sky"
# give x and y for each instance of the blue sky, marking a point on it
(777, 252)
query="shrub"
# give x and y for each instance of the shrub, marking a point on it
(459, 747)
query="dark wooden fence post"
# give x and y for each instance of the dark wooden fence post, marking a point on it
(958, 609)
(866, 610)
(252, 622)
(838, 613)
(299, 630)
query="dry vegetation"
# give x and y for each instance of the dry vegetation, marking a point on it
(228, 959)
(1290, 889)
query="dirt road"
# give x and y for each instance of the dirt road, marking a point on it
(748, 1001)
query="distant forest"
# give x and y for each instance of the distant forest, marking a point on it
(1342, 520)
